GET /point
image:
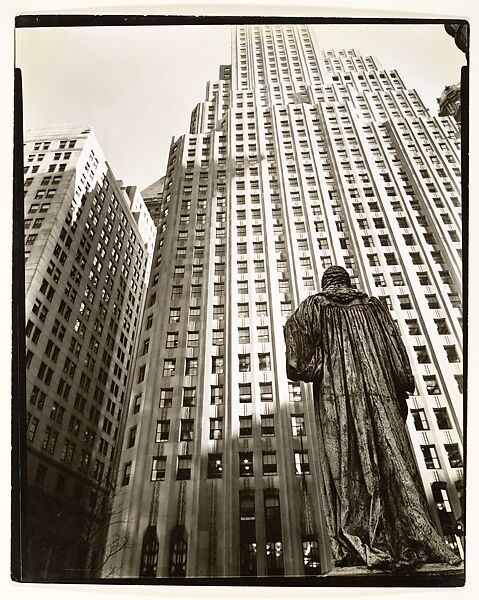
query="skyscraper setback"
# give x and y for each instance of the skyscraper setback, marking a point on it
(87, 254)
(297, 159)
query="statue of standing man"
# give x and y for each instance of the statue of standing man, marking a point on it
(347, 344)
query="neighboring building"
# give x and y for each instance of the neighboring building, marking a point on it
(152, 195)
(141, 212)
(85, 267)
(296, 160)
(450, 102)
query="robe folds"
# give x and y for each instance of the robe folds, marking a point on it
(347, 344)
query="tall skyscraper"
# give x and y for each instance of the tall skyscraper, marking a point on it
(296, 160)
(86, 260)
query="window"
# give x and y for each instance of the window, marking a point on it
(261, 309)
(452, 355)
(189, 396)
(258, 266)
(218, 337)
(246, 426)
(131, 437)
(216, 394)
(184, 468)
(263, 335)
(141, 374)
(193, 339)
(286, 309)
(174, 315)
(244, 362)
(178, 272)
(432, 301)
(442, 418)
(217, 365)
(49, 440)
(405, 302)
(266, 392)
(242, 287)
(431, 385)
(423, 278)
(194, 313)
(243, 310)
(162, 430)
(215, 466)
(430, 457)
(301, 462)
(379, 280)
(216, 428)
(311, 557)
(460, 383)
(390, 258)
(32, 428)
(419, 418)
(246, 464)
(416, 258)
(191, 366)
(186, 430)
(245, 392)
(442, 327)
(219, 289)
(166, 397)
(218, 311)
(397, 279)
(172, 339)
(297, 424)
(269, 463)
(176, 292)
(294, 390)
(267, 425)
(264, 361)
(454, 455)
(422, 355)
(158, 468)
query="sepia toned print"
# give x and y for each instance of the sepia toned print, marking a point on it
(168, 436)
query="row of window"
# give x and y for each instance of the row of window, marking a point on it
(217, 362)
(68, 452)
(243, 308)
(216, 427)
(217, 395)
(432, 461)
(217, 339)
(269, 463)
(45, 145)
(215, 466)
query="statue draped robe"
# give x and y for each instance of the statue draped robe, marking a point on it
(347, 344)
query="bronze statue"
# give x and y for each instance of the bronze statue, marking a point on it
(347, 344)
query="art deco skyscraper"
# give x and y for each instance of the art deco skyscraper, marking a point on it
(297, 159)
(88, 251)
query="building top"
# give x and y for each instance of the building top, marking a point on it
(154, 189)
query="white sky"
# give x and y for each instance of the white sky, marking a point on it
(137, 86)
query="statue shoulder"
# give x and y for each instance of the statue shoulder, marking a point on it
(377, 303)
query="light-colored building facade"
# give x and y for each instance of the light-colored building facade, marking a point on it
(298, 159)
(86, 267)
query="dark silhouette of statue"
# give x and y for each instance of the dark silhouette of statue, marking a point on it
(347, 344)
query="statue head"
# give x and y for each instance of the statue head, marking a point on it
(335, 276)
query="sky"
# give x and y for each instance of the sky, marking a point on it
(137, 86)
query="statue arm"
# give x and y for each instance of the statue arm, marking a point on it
(303, 358)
